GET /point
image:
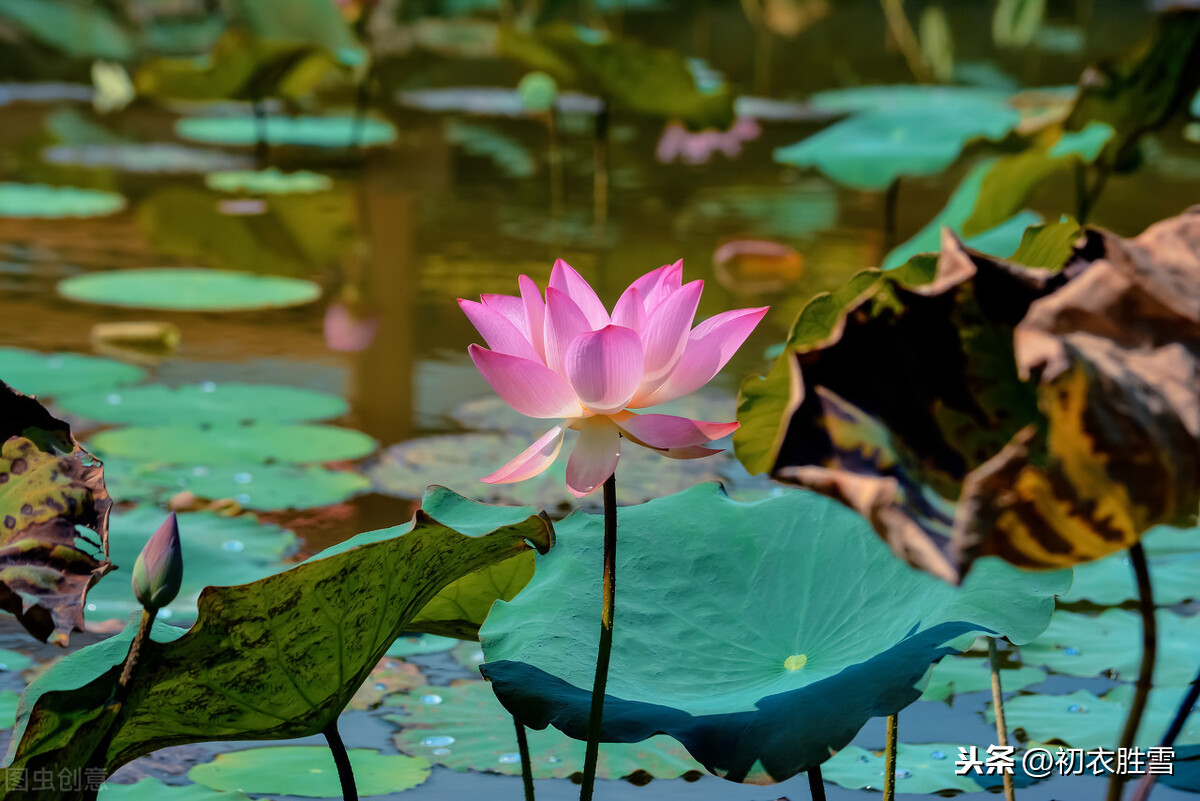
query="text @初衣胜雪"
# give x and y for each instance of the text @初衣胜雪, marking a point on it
(1039, 762)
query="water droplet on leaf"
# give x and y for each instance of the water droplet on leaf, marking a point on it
(438, 741)
(431, 699)
(510, 758)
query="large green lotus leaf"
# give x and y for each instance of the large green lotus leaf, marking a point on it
(938, 101)
(1185, 769)
(270, 181)
(273, 659)
(188, 289)
(216, 550)
(8, 708)
(56, 202)
(316, 23)
(460, 608)
(308, 771)
(327, 131)
(955, 675)
(13, 660)
(49, 487)
(153, 789)
(207, 403)
(460, 460)
(296, 235)
(791, 665)
(872, 149)
(1041, 415)
(83, 31)
(464, 727)
(1088, 645)
(262, 443)
(1081, 720)
(645, 80)
(59, 373)
(265, 487)
(1143, 88)
(925, 768)
(162, 158)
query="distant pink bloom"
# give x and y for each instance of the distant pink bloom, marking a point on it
(677, 142)
(346, 332)
(566, 357)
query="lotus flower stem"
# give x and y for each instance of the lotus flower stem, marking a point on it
(816, 785)
(1010, 792)
(342, 760)
(889, 764)
(1146, 784)
(1141, 571)
(592, 754)
(135, 652)
(262, 147)
(906, 39)
(890, 204)
(526, 764)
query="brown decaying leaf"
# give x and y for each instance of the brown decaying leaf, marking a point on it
(1046, 417)
(48, 486)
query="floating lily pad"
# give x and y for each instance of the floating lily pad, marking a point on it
(160, 158)
(13, 660)
(908, 131)
(153, 789)
(389, 676)
(44, 92)
(216, 550)
(329, 131)
(269, 182)
(460, 460)
(1088, 645)
(55, 202)
(58, 373)
(188, 289)
(266, 487)
(1081, 720)
(506, 152)
(491, 101)
(464, 727)
(925, 768)
(308, 771)
(208, 403)
(761, 702)
(264, 443)
(1174, 559)
(469, 654)
(955, 675)
(413, 644)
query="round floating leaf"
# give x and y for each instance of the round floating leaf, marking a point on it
(793, 663)
(8, 708)
(232, 445)
(265, 487)
(413, 644)
(1088, 645)
(188, 289)
(935, 100)
(1081, 720)
(1110, 581)
(330, 131)
(963, 674)
(153, 790)
(269, 182)
(925, 768)
(159, 158)
(54, 202)
(57, 373)
(208, 403)
(216, 551)
(13, 660)
(308, 771)
(921, 132)
(389, 676)
(464, 727)
(460, 460)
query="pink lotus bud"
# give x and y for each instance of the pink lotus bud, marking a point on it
(158, 571)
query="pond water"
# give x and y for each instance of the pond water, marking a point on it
(460, 204)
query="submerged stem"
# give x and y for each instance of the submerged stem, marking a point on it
(1141, 571)
(816, 785)
(1146, 783)
(592, 754)
(526, 764)
(889, 765)
(342, 760)
(1010, 792)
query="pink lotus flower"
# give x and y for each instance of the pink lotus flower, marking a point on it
(566, 357)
